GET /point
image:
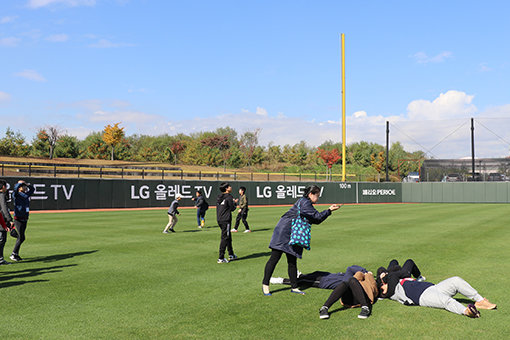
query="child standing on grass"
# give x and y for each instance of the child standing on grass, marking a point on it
(242, 213)
(172, 214)
(21, 197)
(202, 206)
(224, 207)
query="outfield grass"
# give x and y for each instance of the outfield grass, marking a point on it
(114, 275)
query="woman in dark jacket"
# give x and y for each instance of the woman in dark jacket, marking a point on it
(281, 237)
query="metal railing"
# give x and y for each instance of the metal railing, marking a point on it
(18, 169)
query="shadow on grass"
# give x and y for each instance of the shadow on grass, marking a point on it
(254, 256)
(338, 310)
(24, 273)
(192, 231)
(59, 257)
(257, 230)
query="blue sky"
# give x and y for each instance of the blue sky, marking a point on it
(188, 66)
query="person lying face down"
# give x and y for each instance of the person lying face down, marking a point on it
(397, 283)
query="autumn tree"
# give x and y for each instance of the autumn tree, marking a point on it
(378, 161)
(177, 147)
(329, 157)
(222, 143)
(248, 142)
(113, 135)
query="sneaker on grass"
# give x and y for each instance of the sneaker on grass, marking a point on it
(365, 312)
(222, 261)
(15, 257)
(232, 257)
(324, 313)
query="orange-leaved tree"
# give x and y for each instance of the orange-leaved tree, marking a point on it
(329, 157)
(112, 135)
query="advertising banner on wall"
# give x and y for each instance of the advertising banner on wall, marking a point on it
(78, 193)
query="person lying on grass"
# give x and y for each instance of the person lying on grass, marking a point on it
(396, 283)
(356, 287)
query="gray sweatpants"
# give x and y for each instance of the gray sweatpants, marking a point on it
(441, 295)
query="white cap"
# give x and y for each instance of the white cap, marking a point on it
(177, 196)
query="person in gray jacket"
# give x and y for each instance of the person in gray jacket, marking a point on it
(6, 215)
(172, 214)
(400, 287)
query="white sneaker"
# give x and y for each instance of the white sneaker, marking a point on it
(299, 274)
(421, 278)
(233, 230)
(222, 261)
(247, 231)
(276, 280)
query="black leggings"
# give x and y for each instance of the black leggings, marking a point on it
(409, 268)
(271, 264)
(21, 226)
(351, 293)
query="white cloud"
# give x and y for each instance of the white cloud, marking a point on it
(4, 97)
(261, 111)
(423, 58)
(484, 67)
(452, 104)
(58, 38)
(31, 75)
(6, 20)
(104, 43)
(35, 4)
(9, 41)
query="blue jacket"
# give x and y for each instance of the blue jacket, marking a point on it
(332, 280)
(22, 202)
(281, 234)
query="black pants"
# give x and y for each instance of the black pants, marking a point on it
(226, 239)
(242, 216)
(273, 261)
(3, 238)
(309, 280)
(21, 226)
(409, 268)
(351, 293)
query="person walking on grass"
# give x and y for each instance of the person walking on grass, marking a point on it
(202, 206)
(280, 242)
(172, 214)
(224, 207)
(242, 212)
(21, 197)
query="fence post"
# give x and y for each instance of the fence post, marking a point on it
(300, 177)
(143, 173)
(78, 171)
(217, 176)
(182, 174)
(252, 176)
(54, 171)
(315, 177)
(268, 176)
(200, 175)
(162, 174)
(2, 169)
(235, 176)
(284, 176)
(30, 170)
(101, 172)
(122, 172)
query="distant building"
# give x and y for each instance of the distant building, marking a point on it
(486, 169)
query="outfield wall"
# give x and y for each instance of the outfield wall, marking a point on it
(75, 193)
(456, 192)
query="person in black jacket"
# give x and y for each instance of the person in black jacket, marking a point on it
(224, 207)
(21, 197)
(280, 241)
(6, 215)
(202, 206)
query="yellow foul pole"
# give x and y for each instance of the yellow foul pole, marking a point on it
(343, 107)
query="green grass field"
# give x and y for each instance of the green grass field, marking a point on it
(114, 275)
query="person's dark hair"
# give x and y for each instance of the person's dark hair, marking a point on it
(378, 280)
(199, 192)
(243, 189)
(312, 189)
(224, 186)
(2, 183)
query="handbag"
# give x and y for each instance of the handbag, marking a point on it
(300, 233)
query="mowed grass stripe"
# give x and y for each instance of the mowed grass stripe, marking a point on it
(114, 275)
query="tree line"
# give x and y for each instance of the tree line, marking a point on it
(224, 147)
